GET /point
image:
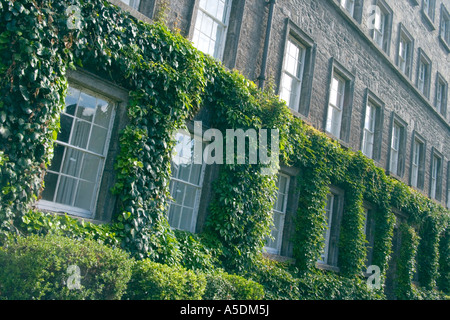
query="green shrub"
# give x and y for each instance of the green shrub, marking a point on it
(196, 253)
(154, 281)
(39, 268)
(40, 223)
(325, 285)
(224, 286)
(424, 294)
(278, 282)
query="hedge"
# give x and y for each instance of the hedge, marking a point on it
(40, 268)
(154, 281)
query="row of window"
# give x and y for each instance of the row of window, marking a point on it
(187, 183)
(339, 110)
(381, 33)
(383, 19)
(210, 35)
(73, 180)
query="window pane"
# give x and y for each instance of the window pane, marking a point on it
(189, 198)
(186, 219)
(174, 215)
(90, 170)
(50, 186)
(85, 194)
(103, 113)
(57, 158)
(72, 162)
(328, 220)
(66, 190)
(210, 26)
(98, 139)
(80, 134)
(185, 193)
(275, 232)
(86, 107)
(71, 100)
(196, 174)
(286, 90)
(178, 192)
(65, 128)
(279, 212)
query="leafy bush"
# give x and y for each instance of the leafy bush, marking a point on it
(224, 286)
(197, 253)
(278, 282)
(155, 281)
(40, 223)
(39, 268)
(323, 285)
(424, 294)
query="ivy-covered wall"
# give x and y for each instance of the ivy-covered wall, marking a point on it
(169, 82)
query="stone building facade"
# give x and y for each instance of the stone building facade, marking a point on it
(372, 74)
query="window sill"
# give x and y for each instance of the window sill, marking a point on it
(344, 144)
(429, 21)
(70, 215)
(344, 11)
(418, 189)
(278, 258)
(134, 12)
(395, 176)
(327, 267)
(444, 43)
(63, 209)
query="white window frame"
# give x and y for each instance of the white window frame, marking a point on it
(296, 79)
(335, 112)
(379, 31)
(395, 148)
(445, 25)
(448, 194)
(349, 5)
(429, 7)
(405, 52)
(369, 130)
(132, 3)
(198, 188)
(448, 185)
(415, 163)
(279, 240)
(329, 213)
(422, 76)
(440, 96)
(223, 24)
(70, 209)
(436, 162)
